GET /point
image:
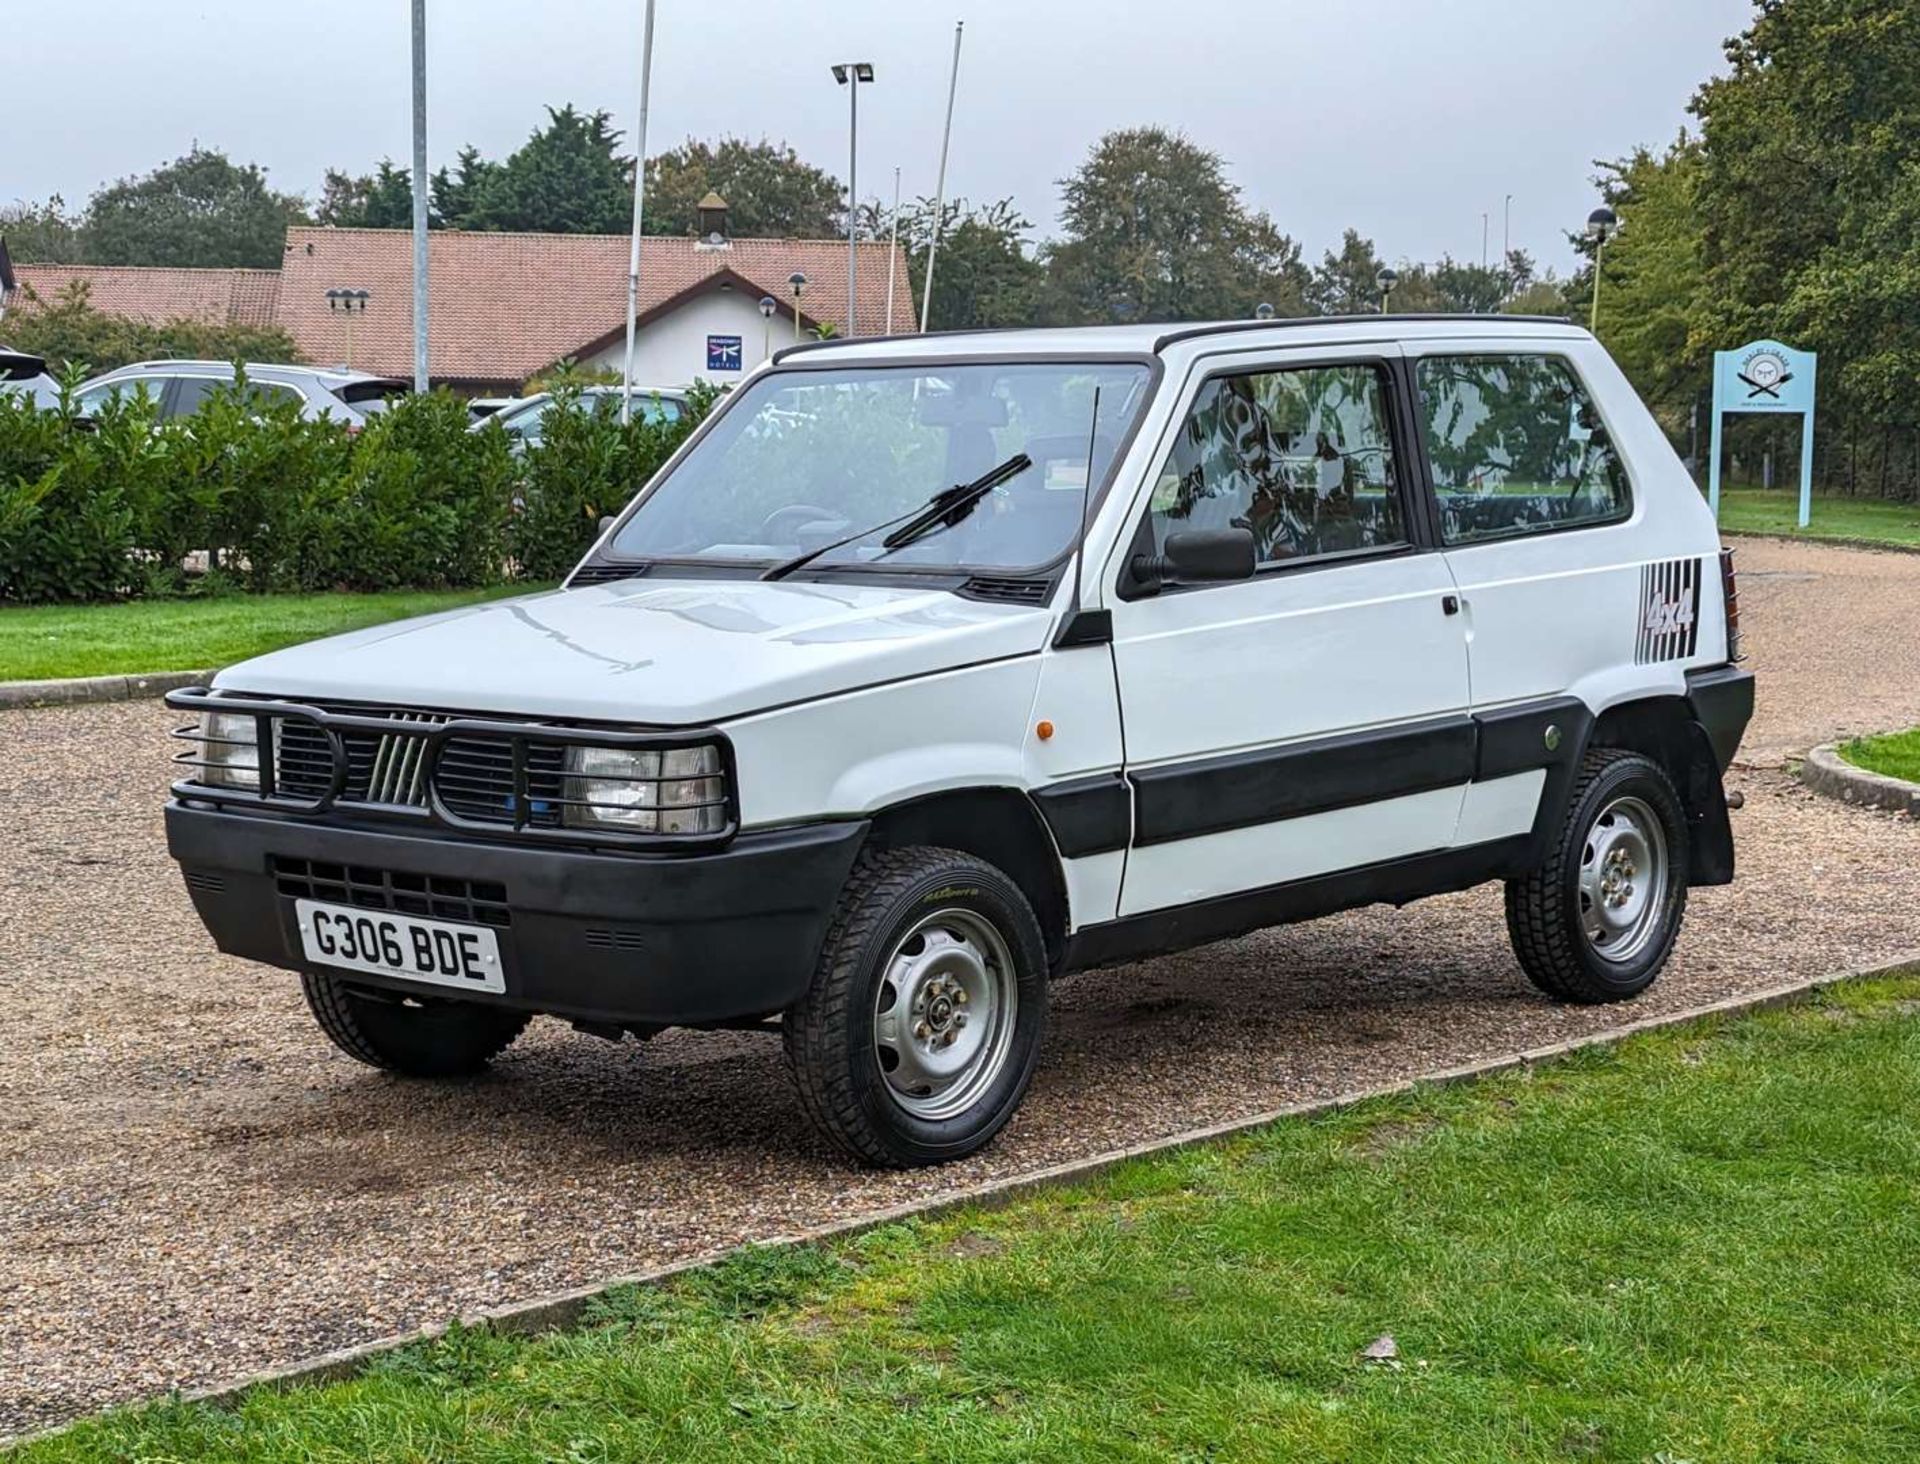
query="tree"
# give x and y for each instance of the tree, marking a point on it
(42, 233)
(1346, 283)
(1652, 297)
(770, 192)
(382, 199)
(1451, 287)
(567, 178)
(1808, 191)
(454, 195)
(984, 275)
(1154, 231)
(200, 210)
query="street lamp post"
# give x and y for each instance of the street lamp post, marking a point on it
(1385, 281)
(851, 74)
(1602, 224)
(767, 306)
(797, 282)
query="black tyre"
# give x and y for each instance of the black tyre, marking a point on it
(427, 1038)
(919, 1034)
(1598, 920)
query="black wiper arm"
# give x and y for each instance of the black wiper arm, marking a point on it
(957, 500)
(947, 509)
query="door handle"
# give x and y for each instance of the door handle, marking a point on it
(1449, 604)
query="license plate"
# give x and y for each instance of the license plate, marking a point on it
(436, 951)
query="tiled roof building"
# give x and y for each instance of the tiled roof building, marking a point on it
(503, 307)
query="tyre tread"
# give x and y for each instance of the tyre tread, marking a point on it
(814, 1031)
(1544, 940)
(332, 1005)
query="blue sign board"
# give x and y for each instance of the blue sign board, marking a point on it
(1765, 376)
(723, 353)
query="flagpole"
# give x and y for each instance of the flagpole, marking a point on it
(893, 253)
(639, 208)
(940, 188)
(422, 375)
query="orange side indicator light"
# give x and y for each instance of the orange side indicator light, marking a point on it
(1045, 731)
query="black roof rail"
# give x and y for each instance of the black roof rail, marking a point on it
(1180, 333)
(1231, 327)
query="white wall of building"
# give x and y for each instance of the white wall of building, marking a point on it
(672, 350)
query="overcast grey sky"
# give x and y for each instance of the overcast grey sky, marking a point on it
(1403, 118)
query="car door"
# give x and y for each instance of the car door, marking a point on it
(1313, 718)
(1558, 566)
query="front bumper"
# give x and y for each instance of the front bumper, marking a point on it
(667, 940)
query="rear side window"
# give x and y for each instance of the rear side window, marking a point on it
(1304, 458)
(1517, 448)
(196, 391)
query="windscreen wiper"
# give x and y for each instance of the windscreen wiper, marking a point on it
(948, 506)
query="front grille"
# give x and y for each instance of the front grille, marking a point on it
(436, 897)
(474, 775)
(475, 779)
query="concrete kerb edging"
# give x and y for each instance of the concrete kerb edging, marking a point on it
(20, 695)
(1879, 546)
(567, 1308)
(1825, 771)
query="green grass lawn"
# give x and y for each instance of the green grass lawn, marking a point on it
(39, 641)
(1897, 754)
(1699, 1246)
(1873, 520)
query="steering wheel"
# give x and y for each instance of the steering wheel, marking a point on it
(783, 525)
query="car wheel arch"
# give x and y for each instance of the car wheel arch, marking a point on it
(992, 822)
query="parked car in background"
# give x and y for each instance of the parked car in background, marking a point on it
(934, 668)
(525, 421)
(481, 408)
(20, 373)
(180, 387)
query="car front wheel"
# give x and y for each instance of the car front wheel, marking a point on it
(918, 1036)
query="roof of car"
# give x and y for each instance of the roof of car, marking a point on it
(1147, 340)
(336, 374)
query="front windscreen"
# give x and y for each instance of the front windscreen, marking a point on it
(808, 458)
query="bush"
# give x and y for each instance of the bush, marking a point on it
(118, 506)
(585, 466)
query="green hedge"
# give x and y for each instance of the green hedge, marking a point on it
(117, 507)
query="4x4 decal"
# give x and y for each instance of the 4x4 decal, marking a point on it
(1669, 610)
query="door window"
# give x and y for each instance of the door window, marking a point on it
(91, 401)
(1516, 448)
(1304, 458)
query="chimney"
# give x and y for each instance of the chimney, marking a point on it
(713, 222)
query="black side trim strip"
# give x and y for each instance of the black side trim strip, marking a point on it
(1532, 735)
(1395, 882)
(1722, 702)
(1091, 815)
(1188, 799)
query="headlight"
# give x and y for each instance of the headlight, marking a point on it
(231, 750)
(644, 792)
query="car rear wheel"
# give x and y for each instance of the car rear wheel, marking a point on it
(419, 1038)
(919, 1034)
(1598, 920)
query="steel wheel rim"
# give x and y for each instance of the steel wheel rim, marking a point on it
(943, 1014)
(1624, 877)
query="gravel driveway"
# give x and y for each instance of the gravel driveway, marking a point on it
(195, 1186)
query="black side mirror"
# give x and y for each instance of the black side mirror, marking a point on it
(1198, 556)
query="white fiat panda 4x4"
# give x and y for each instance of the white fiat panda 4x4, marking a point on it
(932, 668)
